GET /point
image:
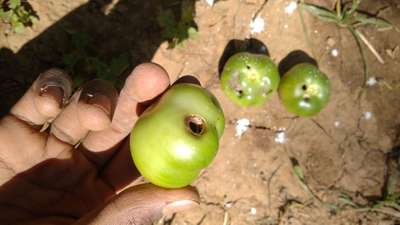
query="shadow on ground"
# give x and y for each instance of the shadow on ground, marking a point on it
(88, 44)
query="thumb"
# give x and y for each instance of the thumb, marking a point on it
(142, 205)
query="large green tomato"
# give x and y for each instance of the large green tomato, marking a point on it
(178, 136)
(304, 90)
(249, 79)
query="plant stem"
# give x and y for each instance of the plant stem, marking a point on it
(339, 8)
(305, 30)
(358, 41)
(369, 45)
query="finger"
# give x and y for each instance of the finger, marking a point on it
(45, 98)
(146, 82)
(97, 104)
(90, 108)
(142, 205)
(121, 164)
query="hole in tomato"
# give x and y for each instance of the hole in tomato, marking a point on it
(195, 124)
(248, 67)
(304, 87)
(239, 93)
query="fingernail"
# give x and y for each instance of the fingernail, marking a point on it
(100, 93)
(55, 83)
(178, 206)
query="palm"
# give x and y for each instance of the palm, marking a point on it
(62, 188)
(44, 179)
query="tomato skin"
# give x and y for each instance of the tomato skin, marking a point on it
(249, 79)
(304, 90)
(164, 148)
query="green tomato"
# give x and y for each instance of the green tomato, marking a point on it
(178, 136)
(304, 90)
(249, 79)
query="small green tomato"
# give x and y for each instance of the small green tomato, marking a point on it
(178, 136)
(304, 90)
(249, 79)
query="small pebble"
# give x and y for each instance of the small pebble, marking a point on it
(210, 2)
(289, 9)
(228, 205)
(371, 81)
(257, 25)
(253, 211)
(241, 126)
(331, 42)
(367, 115)
(335, 52)
(285, 26)
(337, 123)
(280, 136)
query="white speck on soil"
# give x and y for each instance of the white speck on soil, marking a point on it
(335, 52)
(285, 26)
(257, 25)
(331, 42)
(241, 126)
(253, 211)
(367, 115)
(210, 2)
(280, 136)
(371, 81)
(228, 205)
(337, 123)
(289, 9)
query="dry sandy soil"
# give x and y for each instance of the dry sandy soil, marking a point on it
(349, 148)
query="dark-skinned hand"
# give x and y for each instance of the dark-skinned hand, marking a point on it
(79, 170)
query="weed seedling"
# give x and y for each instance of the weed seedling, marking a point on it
(349, 17)
(18, 14)
(178, 28)
(85, 62)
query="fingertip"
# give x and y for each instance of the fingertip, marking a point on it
(49, 103)
(147, 81)
(45, 99)
(93, 117)
(96, 105)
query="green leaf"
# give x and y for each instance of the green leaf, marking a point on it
(354, 6)
(2, 13)
(7, 15)
(193, 33)
(347, 200)
(364, 19)
(18, 28)
(13, 4)
(33, 19)
(297, 170)
(321, 13)
(166, 20)
(14, 19)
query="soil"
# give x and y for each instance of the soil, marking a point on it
(349, 148)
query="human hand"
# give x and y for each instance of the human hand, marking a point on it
(45, 180)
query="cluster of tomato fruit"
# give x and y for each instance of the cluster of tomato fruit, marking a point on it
(178, 136)
(250, 79)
